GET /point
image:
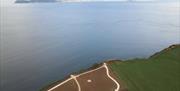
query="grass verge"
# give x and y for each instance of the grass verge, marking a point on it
(160, 72)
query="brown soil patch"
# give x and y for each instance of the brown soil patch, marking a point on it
(99, 81)
(94, 81)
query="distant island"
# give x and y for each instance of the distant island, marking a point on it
(34, 1)
(43, 1)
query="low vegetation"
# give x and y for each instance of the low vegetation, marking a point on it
(160, 72)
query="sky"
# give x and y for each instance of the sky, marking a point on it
(4, 2)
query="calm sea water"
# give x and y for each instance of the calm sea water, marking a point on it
(41, 43)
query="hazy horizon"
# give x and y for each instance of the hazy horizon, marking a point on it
(9, 2)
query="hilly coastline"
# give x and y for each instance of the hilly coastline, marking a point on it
(159, 72)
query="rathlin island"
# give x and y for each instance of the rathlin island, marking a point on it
(159, 72)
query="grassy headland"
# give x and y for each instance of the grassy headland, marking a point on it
(160, 72)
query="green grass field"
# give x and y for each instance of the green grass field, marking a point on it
(160, 72)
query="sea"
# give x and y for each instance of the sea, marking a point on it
(44, 42)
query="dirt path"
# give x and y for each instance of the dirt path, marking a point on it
(107, 71)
